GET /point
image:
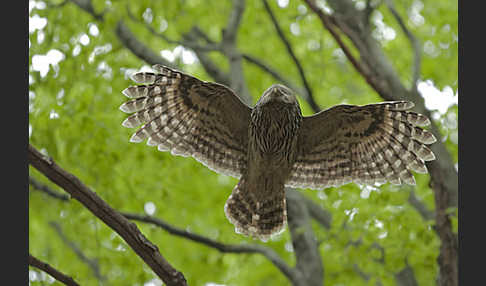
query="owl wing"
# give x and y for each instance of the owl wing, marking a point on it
(189, 117)
(366, 144)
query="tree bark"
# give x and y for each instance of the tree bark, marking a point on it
(58, 275)
(126, 229)
(307, 254)
(380, 74)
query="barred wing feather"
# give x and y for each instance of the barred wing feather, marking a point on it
(179, 113)
(368, 144)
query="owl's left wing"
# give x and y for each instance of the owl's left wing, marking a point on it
(363, 144)
(189, 117)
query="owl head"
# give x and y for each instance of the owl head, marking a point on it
(277, 93)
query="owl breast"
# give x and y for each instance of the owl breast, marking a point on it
(273, 133)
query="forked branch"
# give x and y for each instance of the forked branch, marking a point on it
(146, 250)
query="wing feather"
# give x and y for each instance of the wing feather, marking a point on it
(188, 117)
(367, 144)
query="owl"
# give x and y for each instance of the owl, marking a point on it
(272, 146)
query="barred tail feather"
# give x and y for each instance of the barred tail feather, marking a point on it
(261, 218)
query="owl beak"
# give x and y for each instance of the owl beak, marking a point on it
(278, 89)
(277, 92)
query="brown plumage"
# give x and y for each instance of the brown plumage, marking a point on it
(257, 205)
(272, 145)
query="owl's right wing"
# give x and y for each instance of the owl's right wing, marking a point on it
(189, 117)
(369, 144)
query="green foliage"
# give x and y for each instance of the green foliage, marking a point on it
(74, 117)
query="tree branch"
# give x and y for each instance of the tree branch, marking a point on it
(315, 211)
(209, 47)
(230, 50)
(92, 263)
(87, 6)
(59, 276)
(231, 30)
(384, 79)
(273, 257)
(405, 277)
(330, 24)
(413, 41)
(190, 40)
(308, 268)
(448, 256)
(128, 39)
(420, 207)
(322, 216)
(275, 74)
(308, 90)
(224, 248)
(442, 172)
(253, 60)
(45, 189)
(223, 78)
(309, 261)
(126, 229)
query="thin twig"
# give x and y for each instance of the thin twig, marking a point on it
(58, 275)
(190, 41)
(224, 248)
(308, 94)
(330, 24)
(413, 41)
(209, 47)
(198, 32)
(92, 263)
(322, 216)
(208, 64)
(126, 37)
(126, 229)
(45, 189)
(275, 74)
(384, 79)
(138, 48)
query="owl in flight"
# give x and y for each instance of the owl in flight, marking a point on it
(272, 146)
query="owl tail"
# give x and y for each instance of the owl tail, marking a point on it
(256, 216)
